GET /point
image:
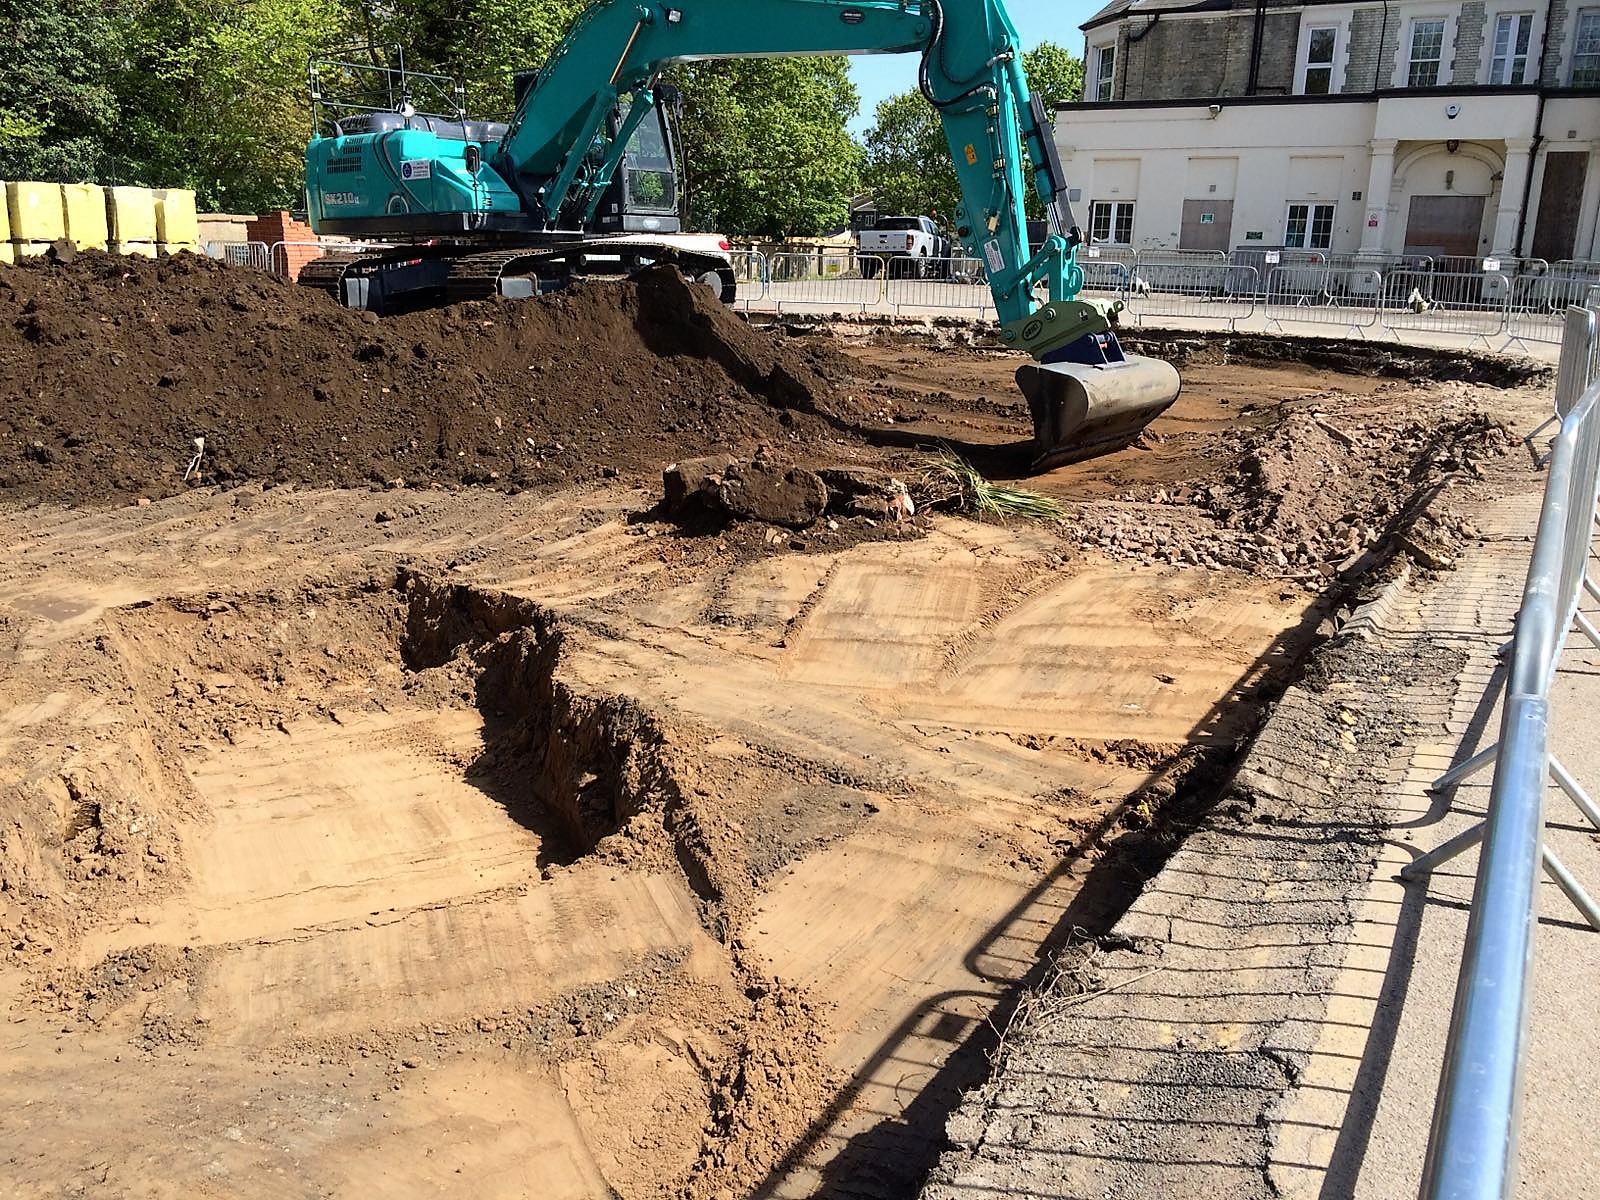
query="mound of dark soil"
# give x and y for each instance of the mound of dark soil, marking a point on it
(111, 367)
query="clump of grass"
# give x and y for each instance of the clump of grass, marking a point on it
(954, 483)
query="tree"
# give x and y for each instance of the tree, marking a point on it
(479, 42)
(1055, 73)
(765, 144)
(57, 105)
(212, 96)
(908, 161)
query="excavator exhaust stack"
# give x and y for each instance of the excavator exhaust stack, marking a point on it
(1089, 398)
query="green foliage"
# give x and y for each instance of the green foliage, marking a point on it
(1055, 73)
(213, 97)
(57, 106)
(480, 42)
(766, 147)
(954, 483)
(908, 161)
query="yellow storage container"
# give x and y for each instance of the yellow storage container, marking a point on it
(5, 219)
(30, 249)
(178, 247)
(142, 249)
(7, 254)
(176, 222)
(35, 210)
(85, 207)
(132, 214)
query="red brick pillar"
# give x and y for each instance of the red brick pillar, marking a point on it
(298, 242)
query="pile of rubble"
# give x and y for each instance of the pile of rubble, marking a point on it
(1307, 502)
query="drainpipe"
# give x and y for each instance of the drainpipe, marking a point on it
(1377, 59)
(1538, 131)
(1255, 47)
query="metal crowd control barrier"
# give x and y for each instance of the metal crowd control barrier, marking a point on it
(751, 275)
(1538, 310)
(1472, 1147)
(1474, 303)
(1340, 296)
(241, 254)
(1213, 292)
(796, 280)
(952, 283)
(1105, 277)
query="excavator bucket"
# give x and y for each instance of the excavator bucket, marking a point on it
(1082, 409)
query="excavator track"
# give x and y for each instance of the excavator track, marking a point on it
(327, 273)
(478, 276)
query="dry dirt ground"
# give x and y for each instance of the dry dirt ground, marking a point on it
(457, 842)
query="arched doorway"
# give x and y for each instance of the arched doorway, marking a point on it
(1447, 198)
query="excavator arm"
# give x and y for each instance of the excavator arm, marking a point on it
(1085, 396)
(970, 72)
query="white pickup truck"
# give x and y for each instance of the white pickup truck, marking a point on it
(913, 247)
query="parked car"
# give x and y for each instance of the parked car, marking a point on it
(913, 247)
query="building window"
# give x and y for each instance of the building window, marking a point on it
(1512, 33)
(1111, 222)
(1586, 50)
(1309, 227)
(1105, 68)
(1319, 61)
(1427, 47)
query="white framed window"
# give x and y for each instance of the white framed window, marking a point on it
(1318, 56)
(1111, 222)
(1427, 52)
(1586, 49)
(1105, 71)
(1513, 34)
(1308, 227)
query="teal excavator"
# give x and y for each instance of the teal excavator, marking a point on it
(583, 180)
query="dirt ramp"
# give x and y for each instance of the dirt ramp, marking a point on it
(110, 368)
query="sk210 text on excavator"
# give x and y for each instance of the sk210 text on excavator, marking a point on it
(583, 180)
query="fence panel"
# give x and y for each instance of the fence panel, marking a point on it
(1105, 277)
(1473, 304)
(241, 254)
(1339, 296)
(1178, 271)
(833, 281)
(751, 274)
(945, 283)
(1217, 291)
(1540, 302)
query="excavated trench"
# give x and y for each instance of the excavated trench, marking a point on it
(576, 767)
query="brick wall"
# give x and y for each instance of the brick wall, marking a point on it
(1371, 65)
(1280, 47)
(1177, 59)
(1554, 73)
(300, 243)
(1469, 41)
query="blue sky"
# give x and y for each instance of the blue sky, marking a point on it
(879, 76)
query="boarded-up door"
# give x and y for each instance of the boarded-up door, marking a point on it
(1556, 231)
(1440, 225)
(1207, 225)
